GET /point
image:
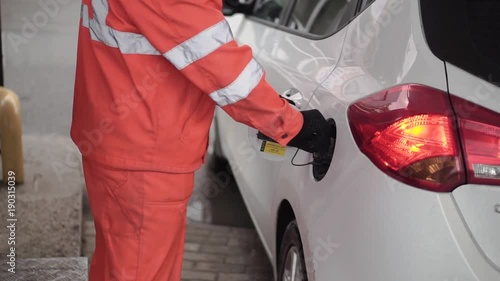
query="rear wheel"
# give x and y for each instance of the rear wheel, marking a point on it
(291, 262)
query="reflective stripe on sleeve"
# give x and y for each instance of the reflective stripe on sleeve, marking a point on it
(127, 42)
(184, 54)
(85, 16)
(200, 45)
(180, 56)
(244, 84)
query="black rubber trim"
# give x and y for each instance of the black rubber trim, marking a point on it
(456, 121)
(321, 163)
(453, 35)
(304, 34)
(288, 12)
(362, 9)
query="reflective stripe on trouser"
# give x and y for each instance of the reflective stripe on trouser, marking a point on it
(140, 220)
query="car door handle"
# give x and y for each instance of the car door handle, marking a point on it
(295, 97)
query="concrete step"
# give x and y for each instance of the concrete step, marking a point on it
(47, 269)
(48, 206)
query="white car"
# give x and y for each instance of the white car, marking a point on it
(413, 189)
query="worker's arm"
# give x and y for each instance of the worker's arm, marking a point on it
(194, 36)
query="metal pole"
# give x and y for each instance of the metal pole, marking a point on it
(11, 135)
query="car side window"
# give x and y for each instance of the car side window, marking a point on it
(270, 10)
(321, 17)
(366, 3)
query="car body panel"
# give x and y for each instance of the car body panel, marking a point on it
(480, 209)
(235, 23)
(358, 223)
(293, 61)
(467, 86)
(308, 68)
(235, 143)
(346, 216)
(477, 203)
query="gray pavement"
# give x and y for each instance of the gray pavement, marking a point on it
(48, 269)
(47, 208)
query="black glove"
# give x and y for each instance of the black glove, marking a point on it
(315, 134)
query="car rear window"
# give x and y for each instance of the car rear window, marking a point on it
(465, 33)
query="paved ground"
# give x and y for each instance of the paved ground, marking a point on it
(48, 205)
(47, 269)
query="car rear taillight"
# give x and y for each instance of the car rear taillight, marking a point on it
(409, 133)
(480, 132)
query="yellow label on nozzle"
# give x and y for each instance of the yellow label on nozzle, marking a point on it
(273, 148)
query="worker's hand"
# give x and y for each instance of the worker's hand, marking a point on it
(315, 134)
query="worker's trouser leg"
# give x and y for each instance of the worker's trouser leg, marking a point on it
(140, 220)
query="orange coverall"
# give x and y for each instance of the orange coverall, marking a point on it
(149, 74)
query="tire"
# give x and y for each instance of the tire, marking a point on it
(290, 250)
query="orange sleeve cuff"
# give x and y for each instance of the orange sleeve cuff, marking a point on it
(291, 128)
(266, 111)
